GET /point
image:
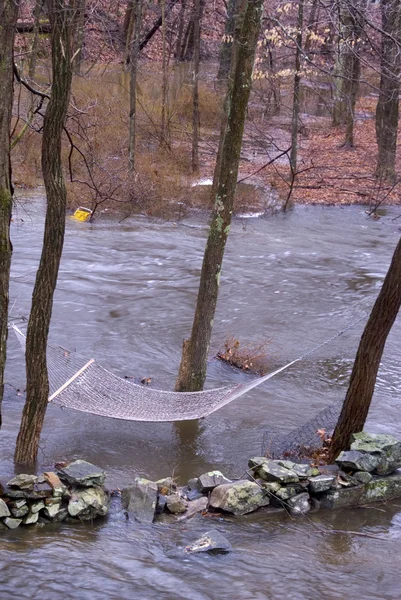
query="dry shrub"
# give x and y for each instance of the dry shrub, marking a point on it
(251, 357)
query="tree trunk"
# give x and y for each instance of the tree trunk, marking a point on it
(180, 32)
(388, 104)
(133, 79)
(297, 85)
(8, 19)
(34, 48)
(61, 18)
(79, 34)
(195, 94)
(192, 372)
(347, 64)
(163, 136)
(227, 42)
(367, 362)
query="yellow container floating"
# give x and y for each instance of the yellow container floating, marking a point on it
(82, 214)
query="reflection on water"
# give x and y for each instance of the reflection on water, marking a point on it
(126, 296)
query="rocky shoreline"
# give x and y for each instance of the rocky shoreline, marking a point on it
(367, 473)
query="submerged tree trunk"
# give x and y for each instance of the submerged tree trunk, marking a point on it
(195, 93)
(8, 19)
(61, 18)
(297, 85)
(388, 104)
(133, 80)
(367, 362)
(192, 372)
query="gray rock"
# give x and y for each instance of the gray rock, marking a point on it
(166, 486)
(193, 483)
(81, 472)
(140, 500)
(270, 470)
(88, 503)
(4, 510)
(256, 461)
(212, 541)
(52, 510)
(362, 476)
(31, 519)
(239, 498)
(300, 504)
(386, 447)
(23, 482)
(194, 507)
(54, 481)
(302, 470)
(37, 506)
(357, 461)
(381, 489)
(284, 493)
(208, 481)
(12, 523)
(176, 504)
(193, 495)
(161, 503)
(270, 486)
(339, 498)
(20, 512)
(321, 483)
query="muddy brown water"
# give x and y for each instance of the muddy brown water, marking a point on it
(126, 296)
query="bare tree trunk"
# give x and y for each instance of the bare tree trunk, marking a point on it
(163, 136)
(79, 35)
(367, 362)
(388, 104)
(180, 32)
(192, 372)
(297, 85)
(8, 20)
(133, 80)
(34, 48)
(195, 113)
(227, 42)
(61, 18)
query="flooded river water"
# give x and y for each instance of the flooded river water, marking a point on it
(126, 296)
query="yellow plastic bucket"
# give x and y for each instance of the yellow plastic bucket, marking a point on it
(82, 214)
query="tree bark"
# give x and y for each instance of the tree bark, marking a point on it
(62, 19)
(195, 91)
(79, 36)
(297, 85)
(8, 19)
(180, 32)
(192, 372)
(133, 81)
(363, 378)
(388, 104)
(227, 42)
(34, 48)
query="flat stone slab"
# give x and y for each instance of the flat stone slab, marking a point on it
(81, 472)
(208, 481)
(239, 498)
(23, 482)
(300, 504)
(386, 447)
(302, 470)
(86, 504)
(4, 510)
(321, 483)
(212, 541)
(381, 489)
(270, 470)
(176, 504)
(140, 500)
(357, 461)
(12, 523)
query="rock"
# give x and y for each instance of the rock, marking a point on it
(194, 507)
(193, 495)
(338, 498)
(357, 461)
(193, 483)
(37, 506)
(212, 541)
(166, 486)
(270, 486)
(302, 470)
(176, 504)
(54, 481)
(385, 447)
(321, 483)
(88, 503)
(23, 482)
(12, 523)
(284, 493)
(300, 504)
(81, 472)
(4, 510)
(381, 489)
(61, 515)
(51, 511)
(270, 470)
(140, 499)
(239, 498)
(208, 481)
(256, 461)
(20, 512)
(31, 519)
(161, 503)
(362, 476)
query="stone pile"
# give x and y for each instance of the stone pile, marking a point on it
(367, 473)
(75, 491)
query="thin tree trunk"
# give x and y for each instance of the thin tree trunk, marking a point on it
(34, 48)
(180, 32)
(79, 35)
(195, 113)
(367, 362)
(61, 18)
(227, 42)
(388, 104)
(297, 85)
(8, 20)
(163, 137)
(192, 372)
(133, 80)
